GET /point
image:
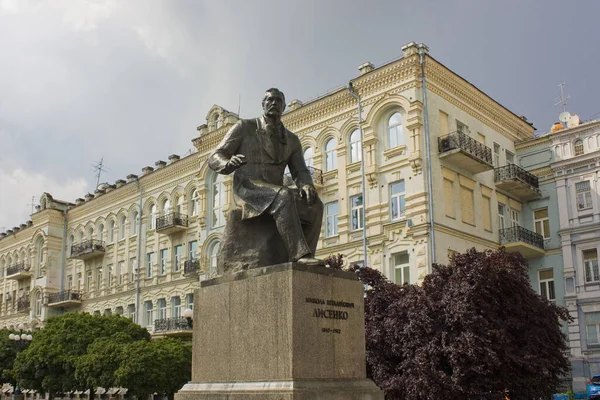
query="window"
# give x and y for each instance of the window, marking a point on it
(194, 203)
(99, 278)
(546, 278)
(89, 233)
(514, 218)
(180, 203)
(355, 146)
(133, 268)
(542, 222)
(111, 231)
(467, 206)
(148, 309)
(401, 268)
(109, 270)
(100, 235)
(496, 155)
(164, 257)
(69, 282)
(71, 243)
(39, 256)
(218, 201)
(135, 221)
(176, 307)
(578, 147)
(149, 264)
(152, 221)
(121, 272)
(357, 212)
(330, 156)
(119, 310)
(481, 138)
(510, 157)
(131, 311)
(161, 306)
(189, 300)
(309, 157)
(501, 219)
(449, 198)
(213, 254)
(331, 219)
(394, 128)
(592, 328)
(487, 212)
(584, 195)
(79, 281)
(192, 248)
(88, 281)
(122, 222)
(177, 259)
(166, 207)
(397, 200)
(590, 264)
(462, 128)
(38, 304)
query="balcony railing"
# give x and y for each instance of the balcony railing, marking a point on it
(171, 222)
(18, 269)
(166, 325)
(520, 234)
(513, 171)
(87, 249)
(466, 144)
(315, 173)
(22, 305)
(191, 267)
(64, 296)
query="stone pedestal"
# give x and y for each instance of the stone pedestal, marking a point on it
(280, 332)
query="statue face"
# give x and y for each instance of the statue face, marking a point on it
(273, 104)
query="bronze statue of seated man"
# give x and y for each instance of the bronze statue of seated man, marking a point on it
(274, 223)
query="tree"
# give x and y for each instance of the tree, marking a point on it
(472, 329)
(158, 366)
(49, 363)
(8, 352)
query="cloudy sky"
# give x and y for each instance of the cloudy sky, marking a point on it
(131, 80)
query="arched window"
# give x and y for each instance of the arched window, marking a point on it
(89, 233)
(330, 155)
(37, 304)
(122, 222)
(79, 237)
(395, 134)
(110, 235)
(152, 221)
(194, 203)
(39, 256)
(213, 253)
(100, 235)
(578, 147)
(217, 201)
(2, 267)
(355, 146)
(180, 203)
(135, 221)
(166, 207)
(309, 157)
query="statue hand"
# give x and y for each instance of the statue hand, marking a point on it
(237, 161)
(309, 193)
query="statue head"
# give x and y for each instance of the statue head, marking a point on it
(273, 103)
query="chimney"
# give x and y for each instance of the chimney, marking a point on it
(131, 177)
(88, 196)
(147, 170)
(30, 223)
(3, 234)
(202, 129)
(160, 164)
(173, 158)
(366, 67)
(412, 48)
(79, 201)
(23, 226)
(294, 104)
(98, 192)
(119, 183)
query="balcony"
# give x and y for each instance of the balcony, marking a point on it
(177, 326)
(171, 223)
(518, 182)
(18, 271)
(465, 152)
(524, 241)
(66, 298)
(191, 267)
(88, 249)
(23, 305)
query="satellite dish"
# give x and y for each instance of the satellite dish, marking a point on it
(564, 116)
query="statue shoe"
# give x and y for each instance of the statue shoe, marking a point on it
(310, 261)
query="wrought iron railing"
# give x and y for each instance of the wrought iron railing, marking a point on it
(23, 305)
(513, 171)
(315, 173)
(87, 246)
(520, 234)
(171, 324)
(191, 267)
(171, 219)
(65, 295)
(15, 269)
(459, 140)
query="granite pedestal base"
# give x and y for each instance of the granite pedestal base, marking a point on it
(285, 331)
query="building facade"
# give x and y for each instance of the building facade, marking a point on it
(440, 177)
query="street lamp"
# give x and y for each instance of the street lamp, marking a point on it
(188, 314)
(21, 341)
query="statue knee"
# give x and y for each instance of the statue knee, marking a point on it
(286, 195)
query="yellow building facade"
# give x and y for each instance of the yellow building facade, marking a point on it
(140, 246)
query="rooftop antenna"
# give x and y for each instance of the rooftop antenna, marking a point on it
(99, 168)
(32, 204)
(562, 99)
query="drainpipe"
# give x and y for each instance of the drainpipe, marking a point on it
(139, 255)
(428, 157)
(63, 253)
(362, 168)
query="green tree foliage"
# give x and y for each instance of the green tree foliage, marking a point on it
(8, 352)
(471, 330)
(158, 366)
(49, 364)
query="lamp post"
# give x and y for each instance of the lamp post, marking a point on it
(188, 314)
(20, 340)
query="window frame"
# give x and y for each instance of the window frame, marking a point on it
(359, 211)
(547, 282)
(355, 146)
(398, 198)
(578, 149)
(594, 269)
(332, 219)
(330, 155)
(163, 261)
(395, 131)
(584, 196)
(542, 222)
